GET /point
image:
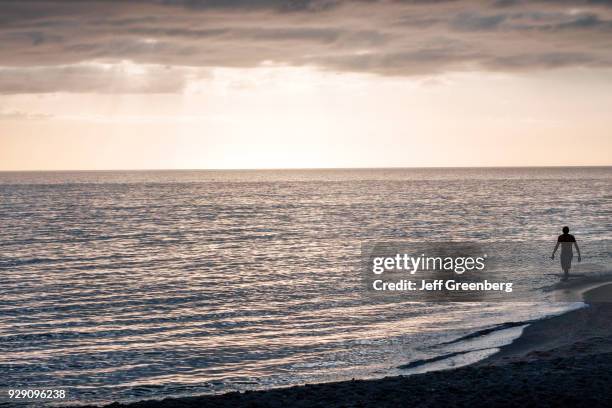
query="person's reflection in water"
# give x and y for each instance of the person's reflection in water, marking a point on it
(567, 241)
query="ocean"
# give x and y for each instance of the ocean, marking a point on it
(130, 285)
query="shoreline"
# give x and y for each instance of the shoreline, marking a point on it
(563, 359)
(577, 332)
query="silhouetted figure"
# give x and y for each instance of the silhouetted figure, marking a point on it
(567, 241)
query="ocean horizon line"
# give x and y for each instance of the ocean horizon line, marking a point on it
(603, 166)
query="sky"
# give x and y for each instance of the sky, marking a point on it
(196, 84)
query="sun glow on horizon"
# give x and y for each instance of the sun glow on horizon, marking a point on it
(276, 116)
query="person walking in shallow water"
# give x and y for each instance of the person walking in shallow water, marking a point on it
(567, 242)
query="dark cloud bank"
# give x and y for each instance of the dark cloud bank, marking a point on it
(48, 46)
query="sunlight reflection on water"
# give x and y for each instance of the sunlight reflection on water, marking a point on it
(131, 285)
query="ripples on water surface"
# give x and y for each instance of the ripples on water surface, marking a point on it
(133, 285)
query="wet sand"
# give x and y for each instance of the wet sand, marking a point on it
(579, 333)
(564, 360)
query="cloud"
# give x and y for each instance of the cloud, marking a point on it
(473, 22)
(123, 119)
(122, 77)
(79, 46)
(21, 115)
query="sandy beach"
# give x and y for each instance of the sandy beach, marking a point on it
(563, 360)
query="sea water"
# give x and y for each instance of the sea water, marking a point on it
(149, 284)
